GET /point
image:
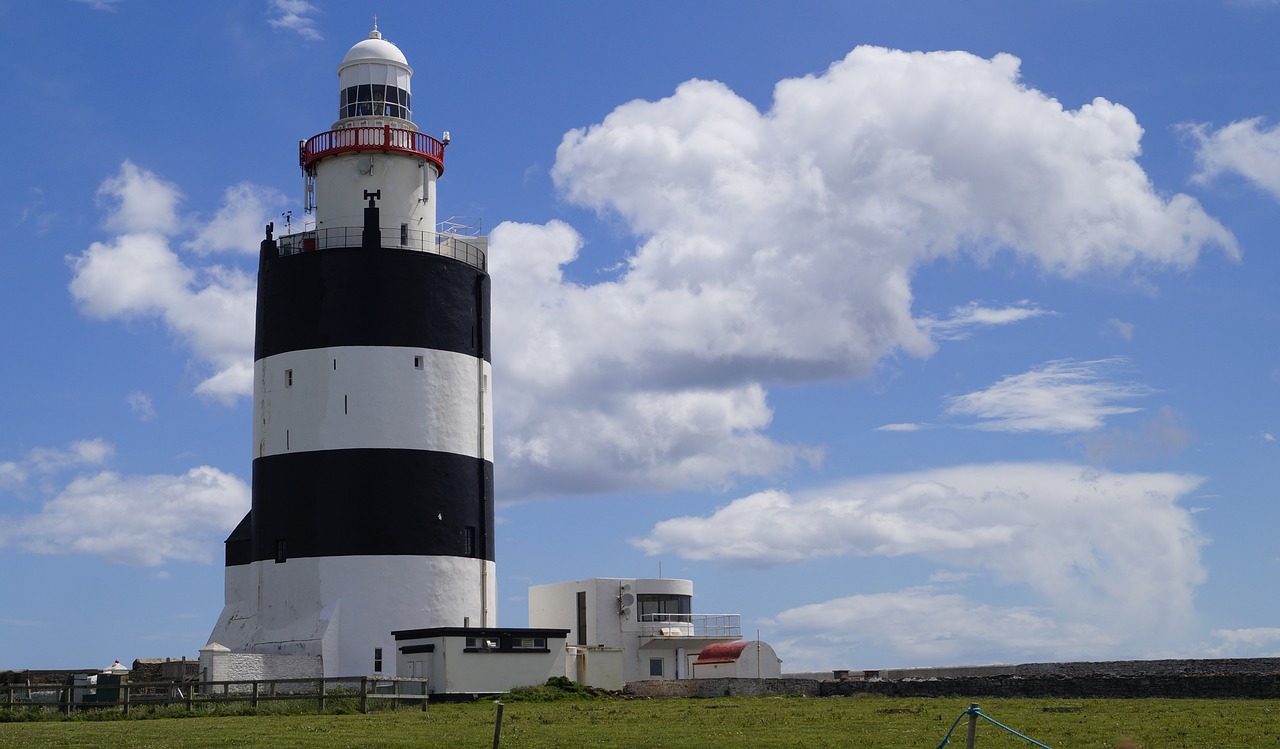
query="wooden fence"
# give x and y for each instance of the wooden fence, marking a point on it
(364, 691)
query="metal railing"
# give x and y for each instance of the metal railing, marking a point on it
(450, 245)
(380, 138)
(361, 691)
(691, 625)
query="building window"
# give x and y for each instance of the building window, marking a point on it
(418, 361)
(377, 660)
(469, 541)
(529, 643)
(655, 667)
(404, 235)
(664, 608)
(582, 617)
(288, 378)
(281, 555)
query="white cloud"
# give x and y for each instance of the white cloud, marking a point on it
(907, 427)
(1099, 549)
(138, 274)
(1268, 437)
(921, 627)
(1122, 329)
(295, 16)
(139, 202)
(1060, 396)
(101, 4)
(780, 247)
(81, 453)
(141, 406)
(238, 225)
(144, 520)
(964, 319)
(1253, 642)
(141, 520)
(1245, 148)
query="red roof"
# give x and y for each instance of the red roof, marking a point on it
(722, 652)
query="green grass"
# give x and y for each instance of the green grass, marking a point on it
(740, 723)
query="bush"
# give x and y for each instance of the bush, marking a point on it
(556, 688)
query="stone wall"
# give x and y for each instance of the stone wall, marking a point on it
(1227, 678)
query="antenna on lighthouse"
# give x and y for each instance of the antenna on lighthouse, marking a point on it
(375, 34)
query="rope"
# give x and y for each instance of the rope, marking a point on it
(978, 712)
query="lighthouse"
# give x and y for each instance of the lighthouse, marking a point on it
(372, 442)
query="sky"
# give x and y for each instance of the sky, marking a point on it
(915, 333)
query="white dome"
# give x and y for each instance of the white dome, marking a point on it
(375, 49)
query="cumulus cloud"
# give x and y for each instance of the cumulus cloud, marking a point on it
(1060, 396)
(141, 520)
(294, 15)
(1246, 148)
(1113, 550)
(1121, 328)
(780, 246)
(924, 627)
(137, 273)
(1253, 642)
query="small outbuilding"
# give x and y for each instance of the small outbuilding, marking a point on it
(744, 659)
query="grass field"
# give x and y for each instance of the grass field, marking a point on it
(740, 723)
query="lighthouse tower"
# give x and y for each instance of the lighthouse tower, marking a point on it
(372, 449)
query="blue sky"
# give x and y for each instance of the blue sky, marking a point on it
(916, 333)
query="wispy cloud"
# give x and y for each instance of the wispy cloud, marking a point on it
(1120, 328)
(1060, 396)
(101, 4)
(1164, 434)
(962, 321)
(141, 406)
(294, 15)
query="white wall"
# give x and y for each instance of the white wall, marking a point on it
(342, 608)
(373, 397)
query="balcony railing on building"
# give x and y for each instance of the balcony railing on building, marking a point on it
(691, 625)
(466, 248)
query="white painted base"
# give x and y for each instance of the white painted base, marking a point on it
(341, 608)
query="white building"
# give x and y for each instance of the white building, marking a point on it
(629, 629)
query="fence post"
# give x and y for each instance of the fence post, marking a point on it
(973, 726)
(321, 690)
(124, 690)
(497, 727)
(254, 699)
(364, 694)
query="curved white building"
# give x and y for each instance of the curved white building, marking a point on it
(372, 441)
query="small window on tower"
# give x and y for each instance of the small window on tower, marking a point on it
(404, 235)
(377, 660)
(469, 541)
(418, 361)
(281, 555)
(288, 378)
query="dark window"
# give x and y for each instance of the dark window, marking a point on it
(469, 541)
(582, 617)
(377, 660)
(655, 667)
(281, 555)
(288, 378)
(655, 607)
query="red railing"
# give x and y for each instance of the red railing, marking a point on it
(385, 138)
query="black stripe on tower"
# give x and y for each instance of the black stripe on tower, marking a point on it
(330, 503)
(384, 297)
